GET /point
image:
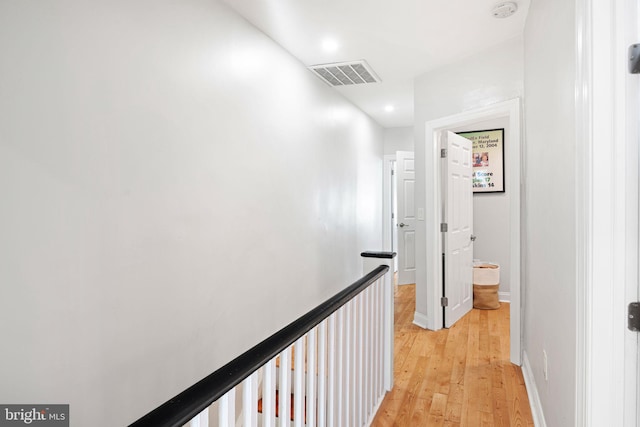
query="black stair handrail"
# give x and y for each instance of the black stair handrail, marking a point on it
(180, 409)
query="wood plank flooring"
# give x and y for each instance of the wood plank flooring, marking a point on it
(454, 377)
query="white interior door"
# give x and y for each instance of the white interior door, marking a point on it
(458, 215)
(406, 220)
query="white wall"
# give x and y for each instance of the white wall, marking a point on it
(398, 139)
(550, 251)
(491, 215)
(486, 78)
(175, 187)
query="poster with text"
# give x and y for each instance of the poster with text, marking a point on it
(488, 160)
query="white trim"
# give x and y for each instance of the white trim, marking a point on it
(583, 206)
(421, 320)
(532, 392)
(605, 195)
(386, 202)
(504, 297)
(511, 110)
(627, 89)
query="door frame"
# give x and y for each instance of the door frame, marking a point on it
(388, 222)
(606, 213)
(510, 109)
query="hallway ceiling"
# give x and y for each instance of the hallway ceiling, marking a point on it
(399, 40)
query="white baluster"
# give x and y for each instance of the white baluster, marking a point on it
(352, 363)
(333, 372)
(372, 345)
(379, 332)
(339, 367)
(360, 383)
(311, 378)
(322, 373)
(348, 369)
(298, 385)
(388, 331)
(200, 420)
(250, 400)
(227, 409)
(284, 403)
(269, 394)
(366, 358)
(372, 339)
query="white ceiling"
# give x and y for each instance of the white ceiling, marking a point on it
(400, 40)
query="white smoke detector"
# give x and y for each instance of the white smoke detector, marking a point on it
(504, 10)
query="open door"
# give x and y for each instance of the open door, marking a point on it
(406, 220)
(457, 227)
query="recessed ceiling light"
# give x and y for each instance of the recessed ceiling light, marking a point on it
(389, 108)
(330, 45)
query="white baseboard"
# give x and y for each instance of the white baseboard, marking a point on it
(532, 392)
(420, 319)
(504, 296)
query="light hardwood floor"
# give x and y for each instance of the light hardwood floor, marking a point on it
(454, 377)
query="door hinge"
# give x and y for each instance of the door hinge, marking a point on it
(634, 58)
(444, 227)
(633, 317)
(443, 153)
(393, 172)
(444, 301)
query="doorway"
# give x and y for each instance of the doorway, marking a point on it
(399, 214)
(389, 231)
(431, 288)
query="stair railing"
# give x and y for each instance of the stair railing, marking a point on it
(330, 367)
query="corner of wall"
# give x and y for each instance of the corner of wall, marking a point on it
(421, 320)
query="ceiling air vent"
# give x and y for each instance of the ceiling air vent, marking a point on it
(346, 73)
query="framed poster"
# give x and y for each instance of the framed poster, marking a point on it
(488, 159)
